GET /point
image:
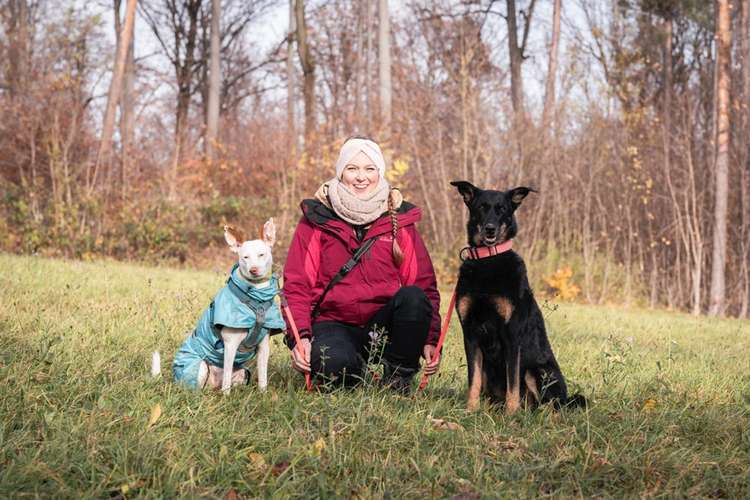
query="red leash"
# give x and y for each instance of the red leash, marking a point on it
(443, 331)
(297, 339)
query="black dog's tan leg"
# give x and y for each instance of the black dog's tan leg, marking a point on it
(513, 387)
(532, 389)
(476, 379)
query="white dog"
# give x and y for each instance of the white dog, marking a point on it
(236, 326)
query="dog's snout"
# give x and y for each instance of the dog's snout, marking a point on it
(490, 228)
(254, 270)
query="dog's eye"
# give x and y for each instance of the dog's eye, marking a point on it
(499, 209)
(484, 207)
(261, 255)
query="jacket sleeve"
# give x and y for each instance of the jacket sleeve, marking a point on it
(300, 275)
(417, 270)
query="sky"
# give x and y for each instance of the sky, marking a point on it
(267, 32)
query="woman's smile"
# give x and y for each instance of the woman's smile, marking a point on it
(360, 175)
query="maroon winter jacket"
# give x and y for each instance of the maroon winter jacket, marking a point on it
(323, 243)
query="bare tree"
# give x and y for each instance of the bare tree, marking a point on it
(308, 71)
(549, 86)
(127, 103)
(517, 51)
(744, 39)
(724, 68)
(18, 29)
(384, 65)
(290, 81)
(214, 83)
(115, 88)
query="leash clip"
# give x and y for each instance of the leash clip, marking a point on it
(461, 253)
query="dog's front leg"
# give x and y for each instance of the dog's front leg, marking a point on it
(264, 351)
(476, 370)
(512, 378)
(232, 338)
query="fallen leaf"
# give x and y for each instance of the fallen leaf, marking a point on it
(257, 462)
(443, 425)
(279, 468)
(155, 414)
(319, 446)
(649, 405)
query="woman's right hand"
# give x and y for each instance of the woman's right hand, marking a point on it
(301, 356)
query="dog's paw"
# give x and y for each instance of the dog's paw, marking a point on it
(472, 405)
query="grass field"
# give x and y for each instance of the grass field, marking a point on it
(670, 413)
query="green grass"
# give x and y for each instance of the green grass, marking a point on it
(670, 413)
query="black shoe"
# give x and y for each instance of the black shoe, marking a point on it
(397, 378)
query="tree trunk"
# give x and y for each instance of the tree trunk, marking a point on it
(290, 80)
(369, 7)
(516, 59)
(549, 86)
(745, 157)
(384, 64)
(127, 103)
(184, 93)
(717, 303)
(19, 46)
(308, 72)
(214, 83)
(115, 88)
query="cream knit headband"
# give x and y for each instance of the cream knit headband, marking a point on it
(352, 147)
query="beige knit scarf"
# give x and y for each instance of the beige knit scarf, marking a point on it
(358, 210)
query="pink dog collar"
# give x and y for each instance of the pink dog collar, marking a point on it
(474, 253)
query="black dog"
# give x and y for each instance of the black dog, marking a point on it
(507, 351)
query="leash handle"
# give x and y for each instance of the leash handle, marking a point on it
(297, 339)
(441, 339)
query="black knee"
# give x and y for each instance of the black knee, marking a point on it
(336, 366)
(334, 357)
(412, 304)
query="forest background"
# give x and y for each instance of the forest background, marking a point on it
(135, 129)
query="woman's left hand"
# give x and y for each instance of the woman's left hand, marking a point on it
(432, 364)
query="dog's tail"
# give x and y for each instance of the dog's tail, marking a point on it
(576, 401)
(155, 364)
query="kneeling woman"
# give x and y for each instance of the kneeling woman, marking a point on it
(391, 290)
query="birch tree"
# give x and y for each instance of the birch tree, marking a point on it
(115, 88)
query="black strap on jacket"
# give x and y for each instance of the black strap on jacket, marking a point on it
(343, 272)
(258, 307)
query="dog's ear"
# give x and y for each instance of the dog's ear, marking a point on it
(234, 238)
(467, 190)
(518, 194)
(269, 232)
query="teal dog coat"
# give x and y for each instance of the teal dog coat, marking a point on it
(237, 305)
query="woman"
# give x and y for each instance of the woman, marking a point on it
(391, 290)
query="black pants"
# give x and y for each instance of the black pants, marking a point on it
(340, 351)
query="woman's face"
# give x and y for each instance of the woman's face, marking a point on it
(360, 175)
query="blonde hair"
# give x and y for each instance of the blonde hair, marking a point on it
(398, 255)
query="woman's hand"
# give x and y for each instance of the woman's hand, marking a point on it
(301, 362)
(432, 364)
